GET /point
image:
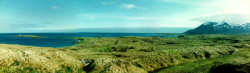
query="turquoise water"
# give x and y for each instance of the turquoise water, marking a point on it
(53, 41)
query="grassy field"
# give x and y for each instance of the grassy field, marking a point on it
(35, 60)
(186, 53)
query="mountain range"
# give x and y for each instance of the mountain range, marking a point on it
(220, 28)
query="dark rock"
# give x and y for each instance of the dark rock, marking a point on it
(146, 50)
(171, 43)
(230, 68)
(116, 42)
(135, 41)
(63, 49)
(207, 54)
(90, 67)
(231, 52)
(210, 45)
(74, 49)
(236, 41)
(148, 40)
(180, 36)
(113, 47)
(74, 42)
(121, 50)
(92, 43)
(118, 55)
(228, 53)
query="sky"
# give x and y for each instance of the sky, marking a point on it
(55, 15)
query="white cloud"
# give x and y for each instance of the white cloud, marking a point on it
(227, 6)
(205, 11)
(236, 11)
(108, 3)
(228, 17)
(92, 17)
(128, 6)
(54, 7)
(131, 6)
(141, 8)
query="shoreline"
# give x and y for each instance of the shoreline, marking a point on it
(153, 54)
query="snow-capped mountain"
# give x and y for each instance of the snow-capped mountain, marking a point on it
(220, 28)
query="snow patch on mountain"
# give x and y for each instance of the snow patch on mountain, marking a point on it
(220, 23)
(220, 27)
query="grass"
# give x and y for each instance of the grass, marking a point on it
(204, 66)
(154, 53)
(186, 53)
(106, 49)
(36, 61)
(172, 57)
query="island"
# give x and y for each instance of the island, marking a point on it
(29, 36)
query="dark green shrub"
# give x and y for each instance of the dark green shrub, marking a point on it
(180, 36)
(107, 49)
(81, 39)
(148, 40)
(135, 40)
(122, 48)
(148, 50)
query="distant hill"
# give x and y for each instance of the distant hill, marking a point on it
(220, 28)
(131, 30)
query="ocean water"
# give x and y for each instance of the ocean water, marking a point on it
(53, 41)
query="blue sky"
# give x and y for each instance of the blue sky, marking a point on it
(44, 15)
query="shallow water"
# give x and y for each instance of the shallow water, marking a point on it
(52, 41)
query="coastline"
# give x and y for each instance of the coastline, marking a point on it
(152, 54)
